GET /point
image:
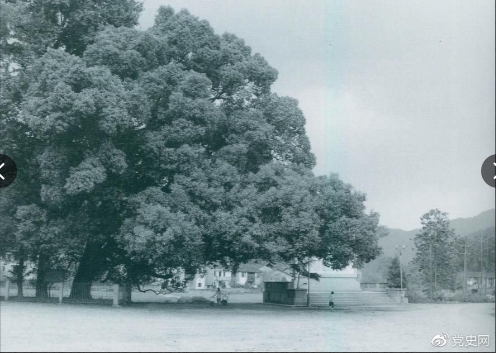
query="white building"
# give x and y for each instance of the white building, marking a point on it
(345, 280)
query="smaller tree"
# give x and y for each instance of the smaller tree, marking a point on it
(435, 252)
(394, 274)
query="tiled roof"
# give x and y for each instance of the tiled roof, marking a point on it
(252, 266)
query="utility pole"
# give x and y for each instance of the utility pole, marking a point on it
(400, 250)
(465, 269)
(430, 257)
(482, 278)
(488, 262)
(308, 286)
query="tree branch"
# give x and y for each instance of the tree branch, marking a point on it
(147, 290)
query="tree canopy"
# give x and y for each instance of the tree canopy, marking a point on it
(395, 278)
(146, 152)
(435, 256)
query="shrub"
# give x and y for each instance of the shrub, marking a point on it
(417, 297)
(192, 300)
(185, 300)
(199, 300)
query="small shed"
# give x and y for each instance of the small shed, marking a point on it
(281, 293)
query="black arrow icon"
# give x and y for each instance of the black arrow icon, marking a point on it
(8, 171)
(488, 170)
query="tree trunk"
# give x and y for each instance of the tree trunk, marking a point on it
(127, 293)
(20, 277)
(41, 285)
(88, 269)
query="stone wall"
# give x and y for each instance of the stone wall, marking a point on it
(336, 284)
(397, 295)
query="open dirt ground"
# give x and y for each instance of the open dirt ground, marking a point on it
(238, 327)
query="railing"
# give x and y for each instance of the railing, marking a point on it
(374, 287)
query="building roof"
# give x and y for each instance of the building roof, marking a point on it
(281, 267)
(252, 266)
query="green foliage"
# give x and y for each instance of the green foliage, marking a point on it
(394, 275)
(68, 24)
(477, 255)
(435, 252)
(153, 151)
(376, 271)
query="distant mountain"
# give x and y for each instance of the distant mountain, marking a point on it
(399, 237)
(465, 226)
(462, 226)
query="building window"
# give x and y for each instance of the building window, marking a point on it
(243, 274)
(199, 285)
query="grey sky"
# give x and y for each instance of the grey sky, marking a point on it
(398, 95)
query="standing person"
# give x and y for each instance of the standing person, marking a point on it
(218, 295)
(331, 301)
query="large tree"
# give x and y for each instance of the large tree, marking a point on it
(28, 30)
(159, 150)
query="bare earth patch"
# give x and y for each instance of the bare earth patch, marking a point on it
(238, 327)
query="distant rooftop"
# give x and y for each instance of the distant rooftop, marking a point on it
(252, 266)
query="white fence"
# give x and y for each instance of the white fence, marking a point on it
(95, 292)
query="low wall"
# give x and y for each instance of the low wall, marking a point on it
(397, 295)
(373, 287)
(329, 284)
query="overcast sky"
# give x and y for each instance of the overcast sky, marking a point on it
(398, 95)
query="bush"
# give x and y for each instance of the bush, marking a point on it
(199, 300)
(449, 297)
(192, 300)
(417, 297)
(237, 285)
(185, 300)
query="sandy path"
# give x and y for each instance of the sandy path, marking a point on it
(52, 327)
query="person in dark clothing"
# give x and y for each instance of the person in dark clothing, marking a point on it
(218, 295)
(331, 301)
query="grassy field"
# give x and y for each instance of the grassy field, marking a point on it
(238, 327)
